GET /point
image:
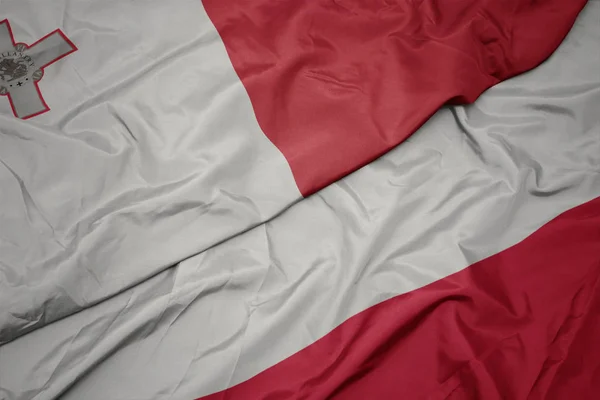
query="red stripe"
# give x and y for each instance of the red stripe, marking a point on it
(336, 84)
(523, 323)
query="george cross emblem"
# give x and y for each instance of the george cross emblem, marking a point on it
(22, 67)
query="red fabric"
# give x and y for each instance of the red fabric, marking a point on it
(523, 323)
(573, 371)
(337, 83)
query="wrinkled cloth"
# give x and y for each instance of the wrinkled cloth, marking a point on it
(150, 153)
(472, 182)
(167, 134)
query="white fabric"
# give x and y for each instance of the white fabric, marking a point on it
(151, 153)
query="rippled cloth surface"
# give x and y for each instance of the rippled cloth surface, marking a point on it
(474, 181)
(175, 126)
(150, 153)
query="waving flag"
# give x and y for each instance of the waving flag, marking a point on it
(160, 143)
(138, 258)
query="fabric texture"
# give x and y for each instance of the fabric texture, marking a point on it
(156, 151)
(336, 84)
(150, 154)
(154, 238)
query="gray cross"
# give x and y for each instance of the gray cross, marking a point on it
(22, 66)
